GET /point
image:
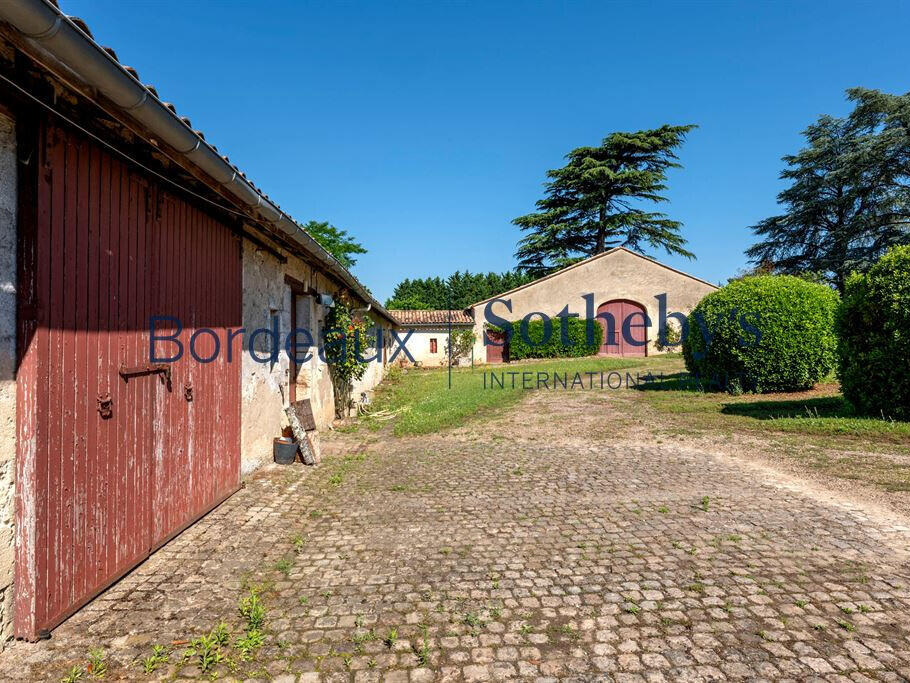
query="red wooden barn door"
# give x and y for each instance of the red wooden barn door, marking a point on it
(113, 456)
(496, 349)
(616, 344)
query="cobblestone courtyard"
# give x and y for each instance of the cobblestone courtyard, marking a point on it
(538, 545)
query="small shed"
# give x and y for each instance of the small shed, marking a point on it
(428, 332)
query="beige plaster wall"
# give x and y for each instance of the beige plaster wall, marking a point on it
(418, 345)
(265, 385)
(616, 275)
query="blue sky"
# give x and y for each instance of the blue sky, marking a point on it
(425, 128)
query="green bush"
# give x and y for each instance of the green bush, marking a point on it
(874, 329)
(762, 334)
(553, 347)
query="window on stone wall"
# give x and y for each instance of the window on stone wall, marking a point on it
(433, 345)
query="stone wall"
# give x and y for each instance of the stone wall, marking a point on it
(8, 205)
(265, 385)
(617, 275)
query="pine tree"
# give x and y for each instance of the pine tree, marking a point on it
(849, 195)
(594, 202)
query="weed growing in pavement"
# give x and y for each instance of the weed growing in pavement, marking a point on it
(160, 655)
(247, 644)
(284, 565)
(391, 637)
(472, 620)
(705, 502)
(568, 631)
(73, 675)
(97, 663)
(846, 625)
(423, 652)
(252, 611)
(363, 637)
(207, 649)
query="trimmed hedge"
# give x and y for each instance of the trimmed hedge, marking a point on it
(763, 334)
(874, 329)
(553, 348)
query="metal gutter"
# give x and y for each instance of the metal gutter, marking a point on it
(45, 27)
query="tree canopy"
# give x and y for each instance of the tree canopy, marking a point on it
(459, 289)
(848, 199)
(595, 202)
(337, 242)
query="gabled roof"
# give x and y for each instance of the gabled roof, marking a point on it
(588, 260)
(434, 318)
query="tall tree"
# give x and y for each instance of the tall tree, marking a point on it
(848, 200)
(337, 242)
(594, 202)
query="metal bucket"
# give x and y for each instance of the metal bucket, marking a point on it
(284, 450)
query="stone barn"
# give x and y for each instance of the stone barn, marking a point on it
(631, 292)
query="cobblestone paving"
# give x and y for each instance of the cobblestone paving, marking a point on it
(535, 546)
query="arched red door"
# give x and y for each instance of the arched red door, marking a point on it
(613, 315)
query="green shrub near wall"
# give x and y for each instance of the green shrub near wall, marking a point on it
(874, 330)
(767, 333)
(553, 348)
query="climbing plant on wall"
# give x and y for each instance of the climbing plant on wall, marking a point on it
(347, 344)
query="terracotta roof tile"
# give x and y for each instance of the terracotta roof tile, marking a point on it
(431, 317)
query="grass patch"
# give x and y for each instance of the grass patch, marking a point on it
(421, 402)
(821, 411)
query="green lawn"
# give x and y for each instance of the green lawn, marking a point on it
(821, 411)
(421, 402)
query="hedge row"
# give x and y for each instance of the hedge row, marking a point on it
(874, 338)
(546, 339)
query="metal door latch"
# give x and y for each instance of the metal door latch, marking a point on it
(105, 406)
(164, 369)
